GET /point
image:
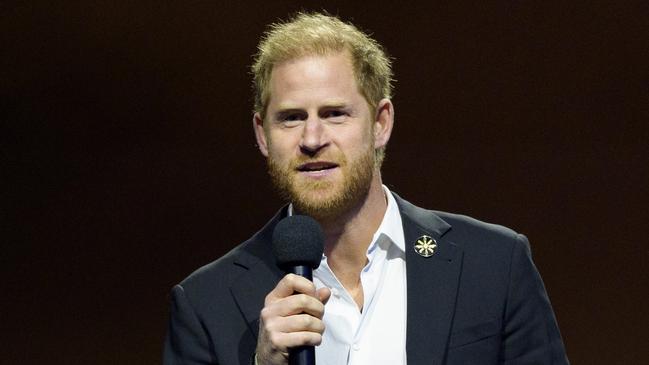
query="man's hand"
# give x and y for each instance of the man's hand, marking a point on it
(291, 317)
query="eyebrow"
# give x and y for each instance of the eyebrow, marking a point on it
(326, 105)
(284, 111)
(335, 104)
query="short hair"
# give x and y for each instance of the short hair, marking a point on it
(321, 34)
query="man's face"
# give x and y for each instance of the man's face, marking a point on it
(318, 135)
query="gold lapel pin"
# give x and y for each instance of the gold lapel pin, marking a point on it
(425, 246)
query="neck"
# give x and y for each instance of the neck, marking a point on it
(348, 236)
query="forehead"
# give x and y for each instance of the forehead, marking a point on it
(315, 76)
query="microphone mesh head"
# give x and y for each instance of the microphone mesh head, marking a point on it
(298, 240)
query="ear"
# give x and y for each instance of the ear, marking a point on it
(260, 134)
(383, 123)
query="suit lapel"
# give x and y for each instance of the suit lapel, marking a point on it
(432, 284)
(250, 289)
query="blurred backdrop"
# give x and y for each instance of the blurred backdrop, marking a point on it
(128, 157)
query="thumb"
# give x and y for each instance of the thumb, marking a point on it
(324, 294)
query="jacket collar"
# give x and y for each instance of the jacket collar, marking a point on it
(432, 285)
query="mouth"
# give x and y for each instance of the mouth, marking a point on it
(315, 167)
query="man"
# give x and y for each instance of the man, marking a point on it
(397, 284)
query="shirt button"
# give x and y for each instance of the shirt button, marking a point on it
(335, 292)
(356, 347)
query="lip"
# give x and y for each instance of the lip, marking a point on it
(317, 168)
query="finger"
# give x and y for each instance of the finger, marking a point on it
(284, 341)
(323, 294)
(289, 285)
(296, 323)
(294, 304)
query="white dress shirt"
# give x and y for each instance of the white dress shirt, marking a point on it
(377, 335)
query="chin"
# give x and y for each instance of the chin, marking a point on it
(325, 202)
(316, 199)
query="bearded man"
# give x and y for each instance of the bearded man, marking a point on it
(396, 284)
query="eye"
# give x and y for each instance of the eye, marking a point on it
(291, 119)
(334, 115)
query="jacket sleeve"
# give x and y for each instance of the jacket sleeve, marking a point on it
(186, 343)
(531, 334)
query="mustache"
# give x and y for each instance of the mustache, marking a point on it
(338, 159)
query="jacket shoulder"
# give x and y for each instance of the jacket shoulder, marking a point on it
(463, 225)
(221, 273)
(491, 242)
(469, 234)
(218, 272)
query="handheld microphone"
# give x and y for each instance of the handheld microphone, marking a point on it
(298, 243)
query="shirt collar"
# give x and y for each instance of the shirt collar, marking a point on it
(391, 225)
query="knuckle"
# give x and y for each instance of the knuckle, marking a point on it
(320, 311)
(312, 338)
(275, 338)
(307, 321)
(303, 300)
(311, 286)
(270, 325)
(317, 340)
(265, 314)
(290, 279)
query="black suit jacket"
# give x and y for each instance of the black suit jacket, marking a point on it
(477, 300)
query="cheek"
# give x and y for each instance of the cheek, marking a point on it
(281, 145)
(362, 140)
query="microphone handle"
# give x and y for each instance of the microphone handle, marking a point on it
(302, 270)
(302, 355)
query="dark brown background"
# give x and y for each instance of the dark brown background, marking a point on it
(128, 156)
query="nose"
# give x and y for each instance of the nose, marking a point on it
(314, 136)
